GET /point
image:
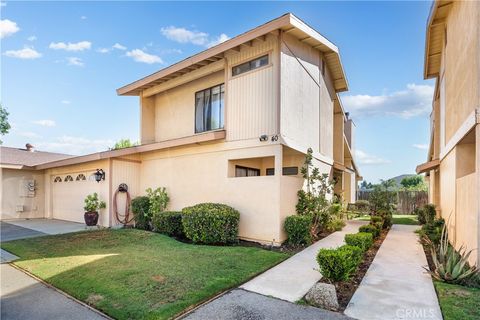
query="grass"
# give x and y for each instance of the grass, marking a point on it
(458, 302)
(132, 274)
(397, 219)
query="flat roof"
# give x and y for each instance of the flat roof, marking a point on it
(288, 23)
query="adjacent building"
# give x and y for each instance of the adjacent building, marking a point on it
(452, 58)
(231, 124)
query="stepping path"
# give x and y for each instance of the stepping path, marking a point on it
(291, 279)
(396, 286)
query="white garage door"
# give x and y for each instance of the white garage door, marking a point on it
(68, 194)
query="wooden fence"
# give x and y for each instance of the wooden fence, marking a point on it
(407, 201)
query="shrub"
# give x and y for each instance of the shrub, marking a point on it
(140, 207)
(297, 228)
(93, 203)
(426, 214)
(433, 230)
(336, 224)
(387, 217)
(169, 223)
(379, 226)
(370, 228)
(374, 219)
(363, 240)
(339, 264)
(362, 205)
(210, 223)
(158, 200)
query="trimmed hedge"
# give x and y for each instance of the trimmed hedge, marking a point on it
(363, 240)
(297, 228)
(370, 228)
(210, 223)
(339, 264)
(140, 207)
(426, 214)
(374, 219)
(169, 223)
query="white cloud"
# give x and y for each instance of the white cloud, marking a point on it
(29, 134)
(32, 38)
(79, 46)
(75, 145)
(25, 53)
(83, 17)
(7, 28)
(369, 159)
(103, 50)
(420, 146)
(119, 46)
(415, 100)
(221, 38)
(183, 35)
(45, 123)
(141, 56)
(75, 61)
(172, 51)
(65, 102)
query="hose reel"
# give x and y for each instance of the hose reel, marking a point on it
(125, 218)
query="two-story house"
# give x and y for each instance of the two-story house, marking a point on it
(452, 58)
(231, 124)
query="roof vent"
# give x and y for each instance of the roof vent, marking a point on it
(29, 147)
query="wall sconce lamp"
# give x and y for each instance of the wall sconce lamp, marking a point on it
(263, 137)
(99, 175)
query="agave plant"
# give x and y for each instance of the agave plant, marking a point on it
(451, 266)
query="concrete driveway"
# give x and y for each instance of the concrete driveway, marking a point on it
(29, 228)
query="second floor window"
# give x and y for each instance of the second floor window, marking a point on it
(250, 65)
(209, 111)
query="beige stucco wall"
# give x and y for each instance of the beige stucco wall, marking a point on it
(13, 194)
(462, 64)
(252, 97)
(175, 108)
(124, 171)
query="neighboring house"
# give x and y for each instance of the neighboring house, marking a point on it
(22, 191)
(232, 125)
(452, 58)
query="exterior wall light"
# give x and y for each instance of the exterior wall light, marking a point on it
(99, 175)
(263, 137)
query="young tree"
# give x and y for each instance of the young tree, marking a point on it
(4, 125)
(414, 183)
(124, 143)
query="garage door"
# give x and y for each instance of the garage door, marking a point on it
(68, 194)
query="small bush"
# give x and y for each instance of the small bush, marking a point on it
(374, 219)
(363, 240)
(370, 228)
(169, 223)
(297, 228)
(433, 230)
(140, 207)
(336, 224)
(210, 223)
(339, 264)
(426, 214)
(379, 226)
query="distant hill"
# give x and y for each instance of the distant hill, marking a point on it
(399, 178)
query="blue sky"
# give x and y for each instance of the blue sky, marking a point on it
(62, 61)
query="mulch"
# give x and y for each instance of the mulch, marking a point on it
(346, 289)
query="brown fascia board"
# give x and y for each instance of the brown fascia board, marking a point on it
(427, 166)
(287, 20)
(198, 138)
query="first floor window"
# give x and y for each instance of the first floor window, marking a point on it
(246, 172)
(209, 109)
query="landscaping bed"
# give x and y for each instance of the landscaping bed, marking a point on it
(346, 289)
(132, 274)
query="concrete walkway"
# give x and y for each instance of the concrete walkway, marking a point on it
(243, 305)
(291, 279)
(396, 286)
(47, 226)
(24, 298)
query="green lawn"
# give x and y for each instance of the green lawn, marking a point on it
(458, 302)
(397, 219)
(132, 274)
